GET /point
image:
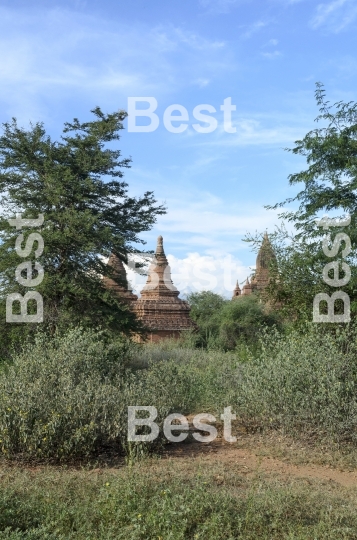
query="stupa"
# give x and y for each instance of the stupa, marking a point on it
(247, 289)
(119, 285)
(260, 280)
(159, 308)
(265, 258)
(237, 291)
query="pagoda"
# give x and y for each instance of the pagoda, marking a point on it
(159, 308)
(265, 258)
(118, 283)
(261, 278)
(237, 291)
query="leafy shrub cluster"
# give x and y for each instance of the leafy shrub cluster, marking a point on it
(302, 381)
(68, 396)
(225, 324)
(144, 503)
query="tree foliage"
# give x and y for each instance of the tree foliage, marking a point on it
(329, 186)
(330, 181)
(76, 183)
(225, 323)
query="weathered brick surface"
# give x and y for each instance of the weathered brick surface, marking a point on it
(119, 286)
(159, 307)
(260, 280)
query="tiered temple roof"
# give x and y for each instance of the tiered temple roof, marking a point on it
(119, 285)
(260, 280)
(265, 258)
(159, 308)
(237, 291)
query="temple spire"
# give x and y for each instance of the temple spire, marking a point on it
(118, 283)
(247, 289)
(237, 291)
(160, 246)
(159, 279)
(159, 308)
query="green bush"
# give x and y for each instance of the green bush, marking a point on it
(304, 381)
(68, 396)
(241, 321)
(298, 382)
(63, 396)
(169, 502)
(226, 324)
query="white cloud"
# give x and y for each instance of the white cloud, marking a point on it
(272, 55)
(254, 28)
(194, 273)
(334, 16)
(210, 219)
(201, 83)
(200, 222)
(253, 130)
(272, 42)
(61, 53)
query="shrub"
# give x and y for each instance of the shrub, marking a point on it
(171, 501)
(63, 396)
(303, 381)
(68, 396)
(226, 324)
(300, 382)
(242, 319)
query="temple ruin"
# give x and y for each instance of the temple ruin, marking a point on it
(260, 280)
(119, 285)
(159, 307)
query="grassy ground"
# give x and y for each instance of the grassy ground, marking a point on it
(192, 492)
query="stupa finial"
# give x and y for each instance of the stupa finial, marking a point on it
(160, 245)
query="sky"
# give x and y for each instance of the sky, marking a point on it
(60, 59)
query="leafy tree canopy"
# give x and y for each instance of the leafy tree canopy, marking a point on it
(204, 305)
(330, 181)
(225, 323)
(329, 187)
(76, 183)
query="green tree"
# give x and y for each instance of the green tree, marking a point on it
(225, 323)
(329, 187)
(76, 184)
(205, 306)
(241, 320)
(330, 181)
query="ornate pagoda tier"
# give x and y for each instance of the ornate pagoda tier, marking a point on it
(119, 285)
(237, 291)
(265, 258)
(159, 308)
(261, 278)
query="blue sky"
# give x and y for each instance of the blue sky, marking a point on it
(60, 59)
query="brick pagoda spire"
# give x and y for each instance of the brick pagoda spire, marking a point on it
(265, 258)
(260, 279)
(237, 291)
(159, 308)
(121, 287)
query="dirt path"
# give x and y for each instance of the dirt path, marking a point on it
(250, 456)
(249, 462)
